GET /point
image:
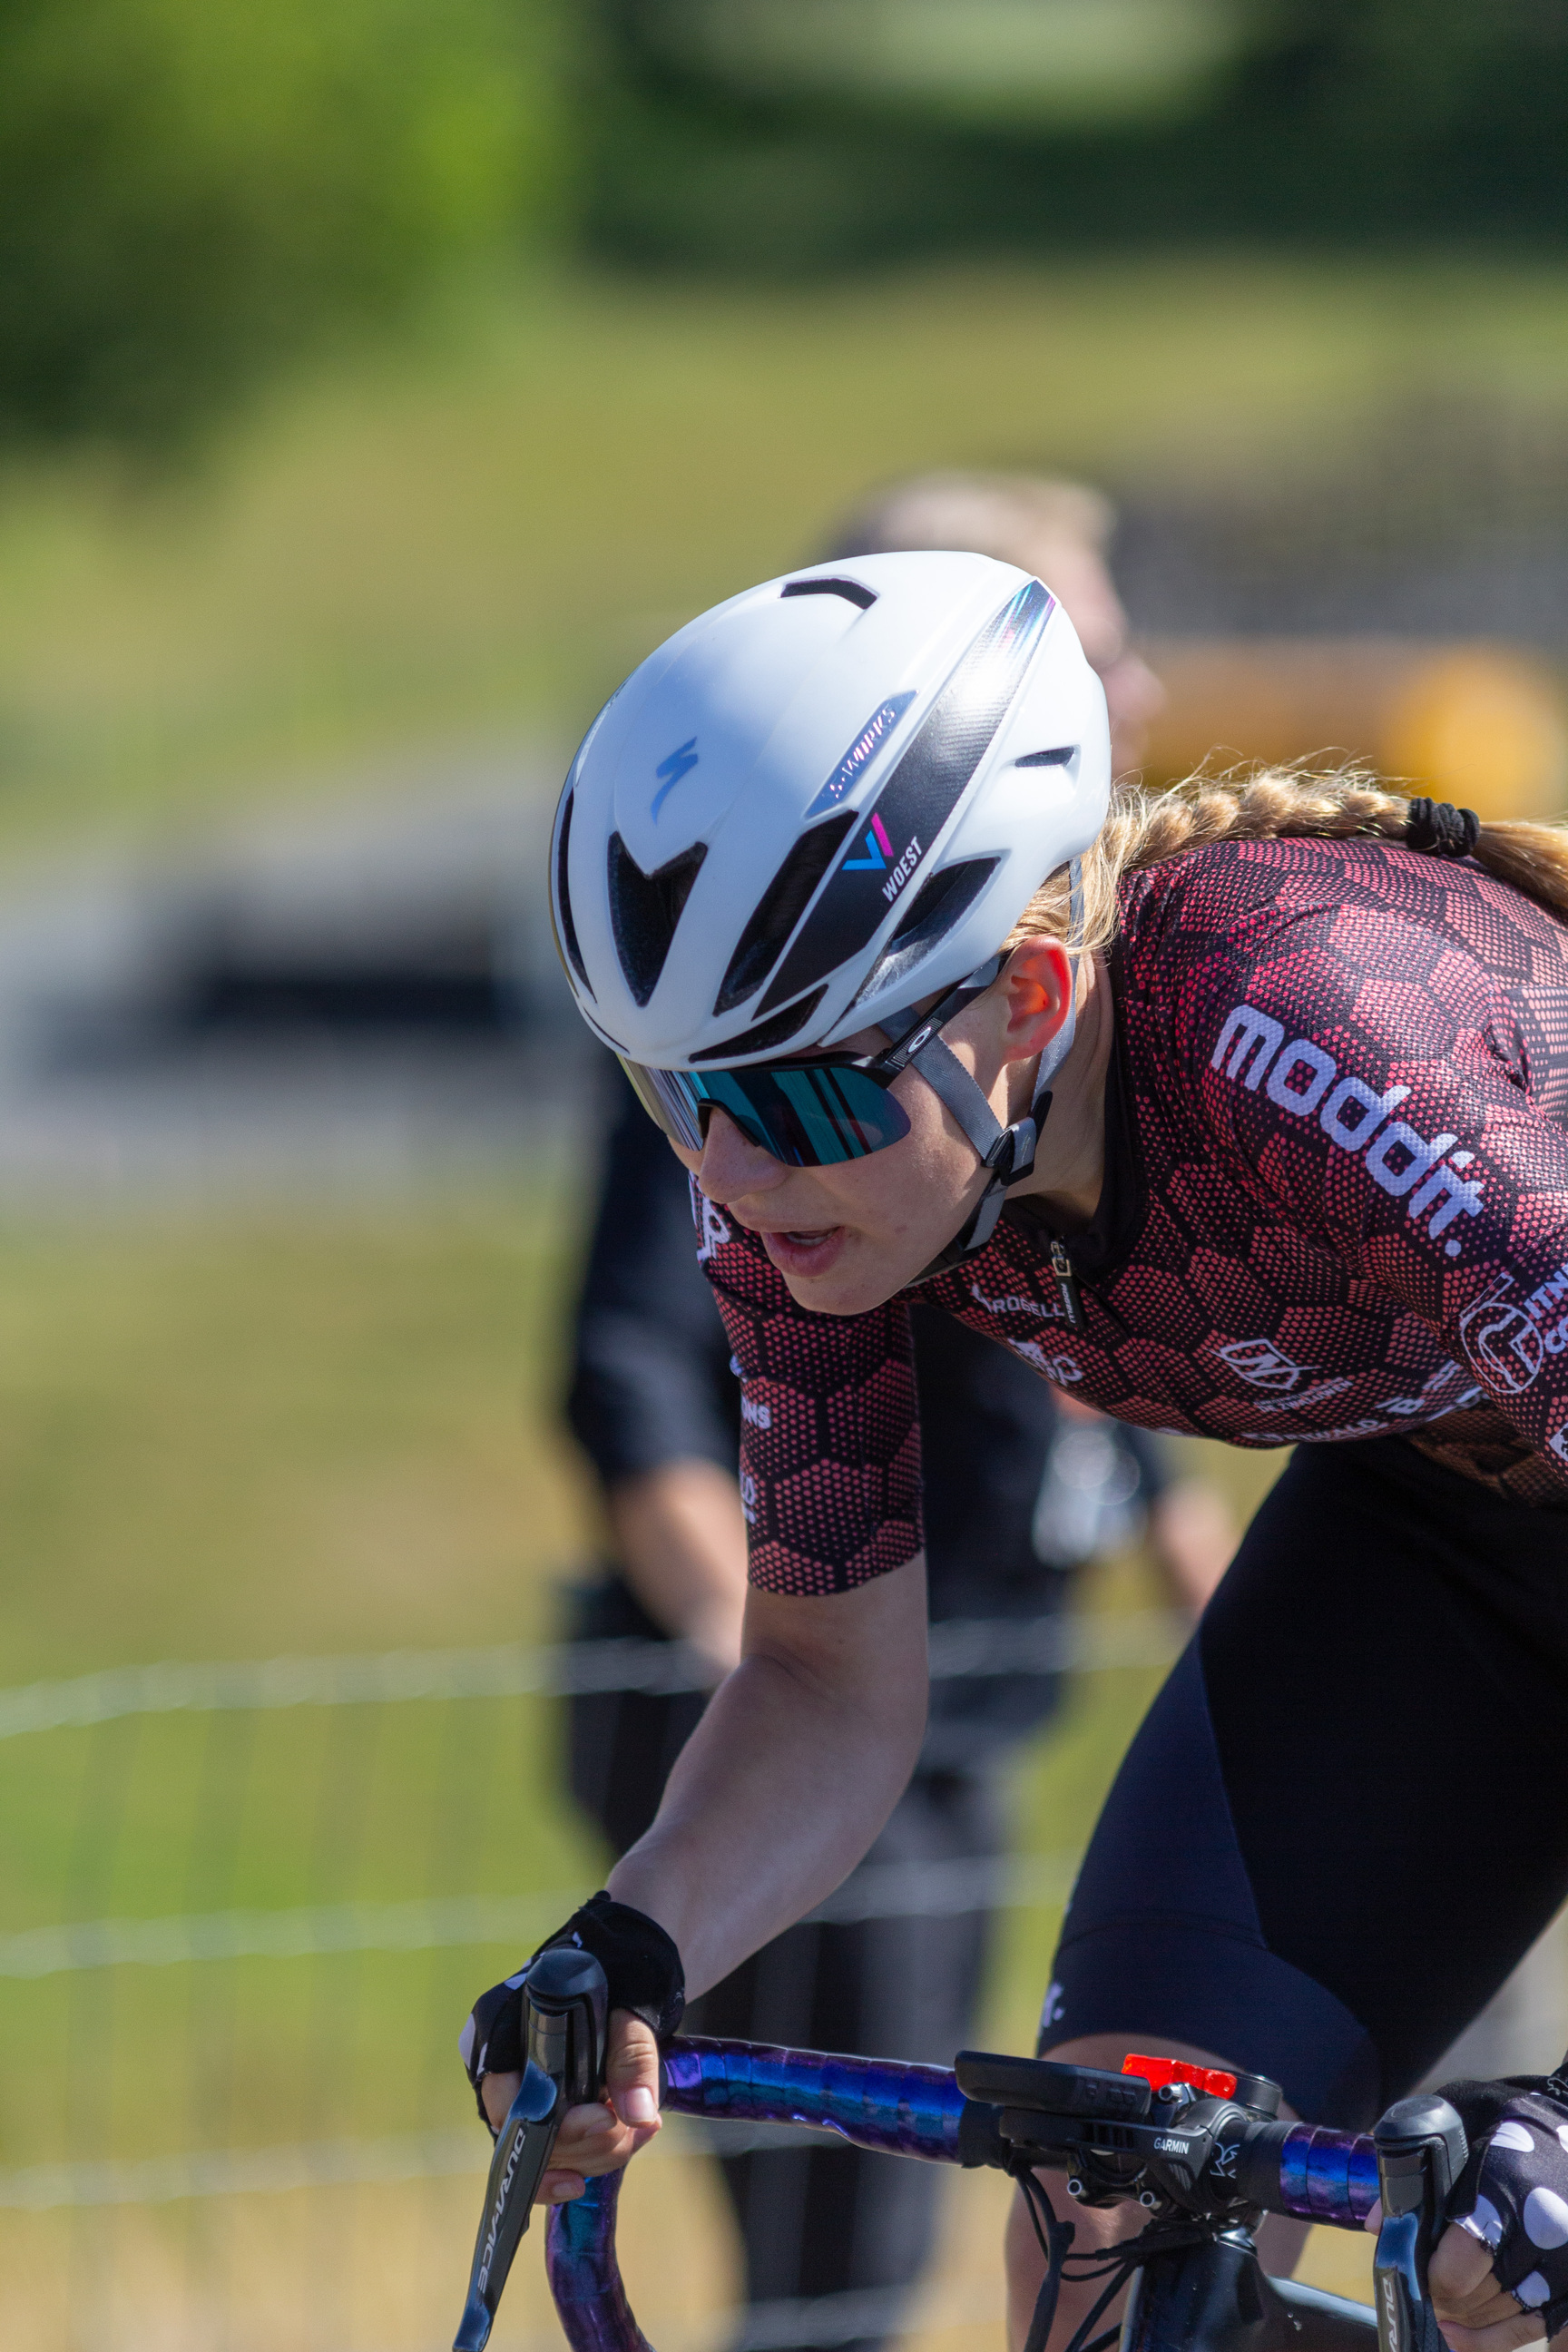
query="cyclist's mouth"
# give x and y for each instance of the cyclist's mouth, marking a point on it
(810, 1250)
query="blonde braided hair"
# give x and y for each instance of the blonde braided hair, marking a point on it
(1145, 827)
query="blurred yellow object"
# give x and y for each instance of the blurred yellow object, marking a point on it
(1477, 724)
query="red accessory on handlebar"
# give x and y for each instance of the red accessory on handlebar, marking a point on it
(1211, 2081)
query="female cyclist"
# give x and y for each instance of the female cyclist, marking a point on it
(1236, 1110)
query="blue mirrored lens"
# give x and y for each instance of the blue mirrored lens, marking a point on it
(807, 1114)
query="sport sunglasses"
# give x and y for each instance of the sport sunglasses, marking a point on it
(808, 1114)
(812, 1112)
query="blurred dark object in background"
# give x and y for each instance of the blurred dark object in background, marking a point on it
(191, 189)
(794, 134)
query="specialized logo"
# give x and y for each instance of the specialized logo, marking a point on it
(669, 771)
(1501, 1340)
(1302, 1077)
(877, 850)
(1262, 1365)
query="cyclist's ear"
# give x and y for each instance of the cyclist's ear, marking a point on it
(1035, 987)
(631, 2069)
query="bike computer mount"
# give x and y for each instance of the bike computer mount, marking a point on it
(1175, 2138)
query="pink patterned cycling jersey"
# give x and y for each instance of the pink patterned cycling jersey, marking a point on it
(1335, 1207)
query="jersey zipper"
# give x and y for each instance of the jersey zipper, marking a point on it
(1066, 1282)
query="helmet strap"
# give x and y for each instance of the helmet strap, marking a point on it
(1007, 1152)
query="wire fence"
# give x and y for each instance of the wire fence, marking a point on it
(251, 1903)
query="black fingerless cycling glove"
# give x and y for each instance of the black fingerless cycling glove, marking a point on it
(1513, 2192)
(641, 1966)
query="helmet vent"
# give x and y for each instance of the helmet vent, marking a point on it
(766, 1033)
(851, 589)
(563, 901)
(778, 910)
(940, 901)
(644, 909)
(1061, 756)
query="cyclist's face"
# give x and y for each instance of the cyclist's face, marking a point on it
(846, 1238)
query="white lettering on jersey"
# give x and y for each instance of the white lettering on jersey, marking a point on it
(1319, 1393)
(1432, 1398)
(1262, 1365)
(1017, 1305)
(748, 1498)
(1505, 1346)
(1065, 1370)
(756, 1414)
(712, 1230)
(1300, 1075)
(1246, 1030)
(1512, 1338)
(1558, 1444)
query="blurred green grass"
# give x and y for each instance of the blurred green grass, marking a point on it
(475, 539)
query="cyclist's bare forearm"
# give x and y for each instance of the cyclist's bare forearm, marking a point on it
(793, 1769)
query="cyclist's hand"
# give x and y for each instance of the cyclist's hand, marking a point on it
(1474, 2313)
(601, 2138)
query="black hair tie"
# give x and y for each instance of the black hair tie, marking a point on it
(1439, 826)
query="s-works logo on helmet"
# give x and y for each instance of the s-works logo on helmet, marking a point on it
(1302, 1077)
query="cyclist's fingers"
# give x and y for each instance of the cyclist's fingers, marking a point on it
(498, 2091)
(1474, 2313)
(631, 2074)
(1460, 2267)
(594, 2139)
(559, 2188)
(1504, 2335)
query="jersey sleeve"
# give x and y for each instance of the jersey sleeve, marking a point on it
(830, 1450)
(1381, 1084)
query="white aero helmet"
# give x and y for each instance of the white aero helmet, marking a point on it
(829, 798)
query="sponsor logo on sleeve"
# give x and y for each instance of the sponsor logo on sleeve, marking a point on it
(1065, 1370)
(1303, 1078)
(1016, 1303)
(1444, 1391)
(712, 1230)
(1508, 1339)
(1262, 1365)
(1499, 1338)
(755, 1414)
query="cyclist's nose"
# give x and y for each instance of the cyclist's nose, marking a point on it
(731, 1166)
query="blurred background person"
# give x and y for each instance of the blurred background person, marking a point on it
(1022, 1489)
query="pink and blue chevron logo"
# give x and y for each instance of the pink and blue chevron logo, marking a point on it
(879, 849)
